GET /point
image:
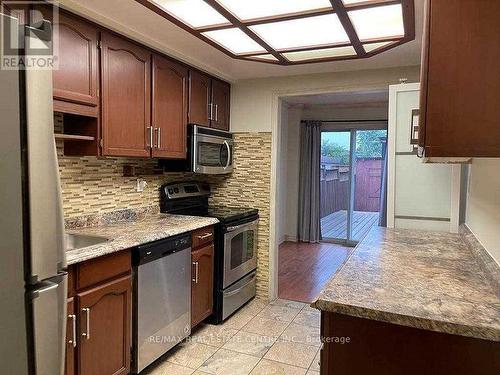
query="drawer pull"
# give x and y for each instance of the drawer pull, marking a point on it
(204, 236)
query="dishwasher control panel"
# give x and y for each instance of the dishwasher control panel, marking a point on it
(157, 249)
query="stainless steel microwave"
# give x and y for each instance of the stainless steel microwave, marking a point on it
(209, 151)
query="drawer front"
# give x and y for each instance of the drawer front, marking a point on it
(203, 236)
(101, 269)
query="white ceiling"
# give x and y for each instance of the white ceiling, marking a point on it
(341, 99)
(136, 21)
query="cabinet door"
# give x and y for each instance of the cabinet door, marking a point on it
(71, 337)
(126, 101)
(460, 80)
(221, 101)
(170, 90)
(76, 80)
(199, 98)
(202, 284)
(104, 321)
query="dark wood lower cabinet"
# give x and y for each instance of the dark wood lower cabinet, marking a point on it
(104, 321)
(71, 336)
(355, 346)
(202, 288)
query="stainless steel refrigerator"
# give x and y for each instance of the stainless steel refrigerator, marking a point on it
(32, 259)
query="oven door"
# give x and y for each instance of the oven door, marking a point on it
(240, 251)
(212, 155)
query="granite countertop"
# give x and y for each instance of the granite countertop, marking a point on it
(131, 233)
(420, 279)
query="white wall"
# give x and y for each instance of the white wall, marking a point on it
(252, 103)
(483, 204)
(358, 112)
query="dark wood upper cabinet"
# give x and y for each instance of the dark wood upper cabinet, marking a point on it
(76, 79)
(460, 92)
(126, 99)
(105, 332)
(200, 97)
(202, 284)
(221, 101)
(169, 108)
(209, 101)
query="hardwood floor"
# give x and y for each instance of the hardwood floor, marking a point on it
(304, 268)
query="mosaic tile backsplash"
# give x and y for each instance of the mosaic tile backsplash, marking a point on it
(93, 185)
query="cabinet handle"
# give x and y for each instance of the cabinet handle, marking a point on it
(86, 334)
(196, 272)
(150, 129)
(158, 140)
(216, 113)
(73, 323)
(206, 235)
(210, 110)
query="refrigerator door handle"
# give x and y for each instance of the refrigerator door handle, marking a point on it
(49, 324)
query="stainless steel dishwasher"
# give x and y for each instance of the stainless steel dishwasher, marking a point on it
(162, 298)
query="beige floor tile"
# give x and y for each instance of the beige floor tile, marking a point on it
(227, 362)
(238, 320)
(255, 306)
(267, 367)
(315, 362)
(292, 353)
(250, 343)
(213, 335)
(311, 372)
(191, 354)
(308, 317)
(267, 327)
(302, 334)
(281, 313)
(288, 303)
(167, 368)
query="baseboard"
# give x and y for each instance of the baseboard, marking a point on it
(289, 238)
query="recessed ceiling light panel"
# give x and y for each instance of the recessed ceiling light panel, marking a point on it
(254, 9)
(235, 41)
(378, 22)
(290, 32)
(304, 32)
(320, 54)
(194, 13)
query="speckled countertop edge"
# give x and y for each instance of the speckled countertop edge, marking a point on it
(129, 234)
(480, 331)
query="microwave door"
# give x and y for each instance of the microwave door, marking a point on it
(212, 155)
(47, 255)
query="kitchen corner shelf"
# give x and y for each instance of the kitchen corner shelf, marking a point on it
(71, 137)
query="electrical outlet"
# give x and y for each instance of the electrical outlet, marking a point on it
(140, 185)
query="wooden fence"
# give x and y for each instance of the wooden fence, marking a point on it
(335, 193)
(334, 196)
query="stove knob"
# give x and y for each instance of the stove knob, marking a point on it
(170, 191)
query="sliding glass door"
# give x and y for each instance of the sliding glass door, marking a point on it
(351, 181)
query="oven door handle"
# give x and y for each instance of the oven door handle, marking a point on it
(232, 293)
(236, 227)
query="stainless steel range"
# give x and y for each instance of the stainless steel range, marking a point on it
(235, 244)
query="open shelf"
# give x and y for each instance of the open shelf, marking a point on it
(72, 137)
